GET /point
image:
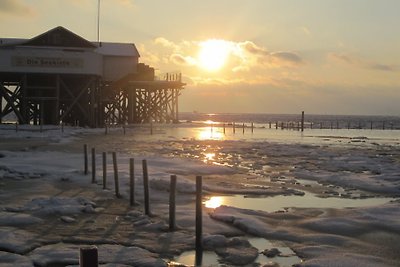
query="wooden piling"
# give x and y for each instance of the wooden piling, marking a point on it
(252, 127)
(224, 127)
(116, 180)
(88, 257)
(172, 203)
(85, 159)
(132, 181)
(199, 215)
(104, 170)
(146, 188)
(270, 125)
(243, 128)
(93, 165)
(233, 127)
(302, 121)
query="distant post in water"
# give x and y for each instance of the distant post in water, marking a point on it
(146, 188)
(252, 127)
(93, 165)
(243, 128)
(85, 156)
(233, 127)
(132, 181)
(116, 180)
(302, 121)
(172, 203)
(224, 127)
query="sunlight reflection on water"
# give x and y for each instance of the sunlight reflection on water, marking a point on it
(279, 203)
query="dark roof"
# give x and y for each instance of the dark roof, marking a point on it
(59, 37)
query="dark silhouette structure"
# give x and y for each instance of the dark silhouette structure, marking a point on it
(60, 77)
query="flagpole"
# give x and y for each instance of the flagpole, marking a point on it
(98, 21)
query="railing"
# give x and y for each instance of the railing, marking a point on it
(169, 76)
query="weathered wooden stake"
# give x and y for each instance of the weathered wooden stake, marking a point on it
(104, 170)
(146, 188)
(93, 165)
(88, 257)
(252, 127)
(302, 121)
(233, 127)
(132, 181)
(116, 180)
(199, 215)
(172, 203)
(371, 125)
(270, 125)
(85, 156)
(243, 128)
(224, 127)
(276, 125)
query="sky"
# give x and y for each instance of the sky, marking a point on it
(254, 56)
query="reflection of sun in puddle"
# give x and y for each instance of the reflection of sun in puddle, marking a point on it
(214, 202)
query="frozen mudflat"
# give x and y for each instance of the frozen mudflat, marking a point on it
(49, 208)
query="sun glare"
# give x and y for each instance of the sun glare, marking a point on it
(213, 54)
(214, 202)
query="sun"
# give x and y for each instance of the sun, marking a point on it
(213, 54)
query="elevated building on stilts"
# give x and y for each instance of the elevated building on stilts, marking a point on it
(60, 77)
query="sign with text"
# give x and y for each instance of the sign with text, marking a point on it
(47, 62)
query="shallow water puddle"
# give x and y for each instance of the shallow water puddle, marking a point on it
(279, 203)
(285, 259)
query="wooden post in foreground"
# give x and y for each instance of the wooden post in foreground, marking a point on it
(199, 215)
(172, 203)
(104, 170)
(116, 180)
(85, 156)
(132, 181)
(146, 188)
(199, 221)
(88, 257)
(93, 165)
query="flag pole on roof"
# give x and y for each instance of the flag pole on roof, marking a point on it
(98, 21)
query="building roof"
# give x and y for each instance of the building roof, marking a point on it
(117, 49)
(59, 37)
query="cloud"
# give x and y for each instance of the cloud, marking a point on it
(166, 43)
(182, 60)
(15, 7)
(270, 59)
(361, 63)
(252, 48)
